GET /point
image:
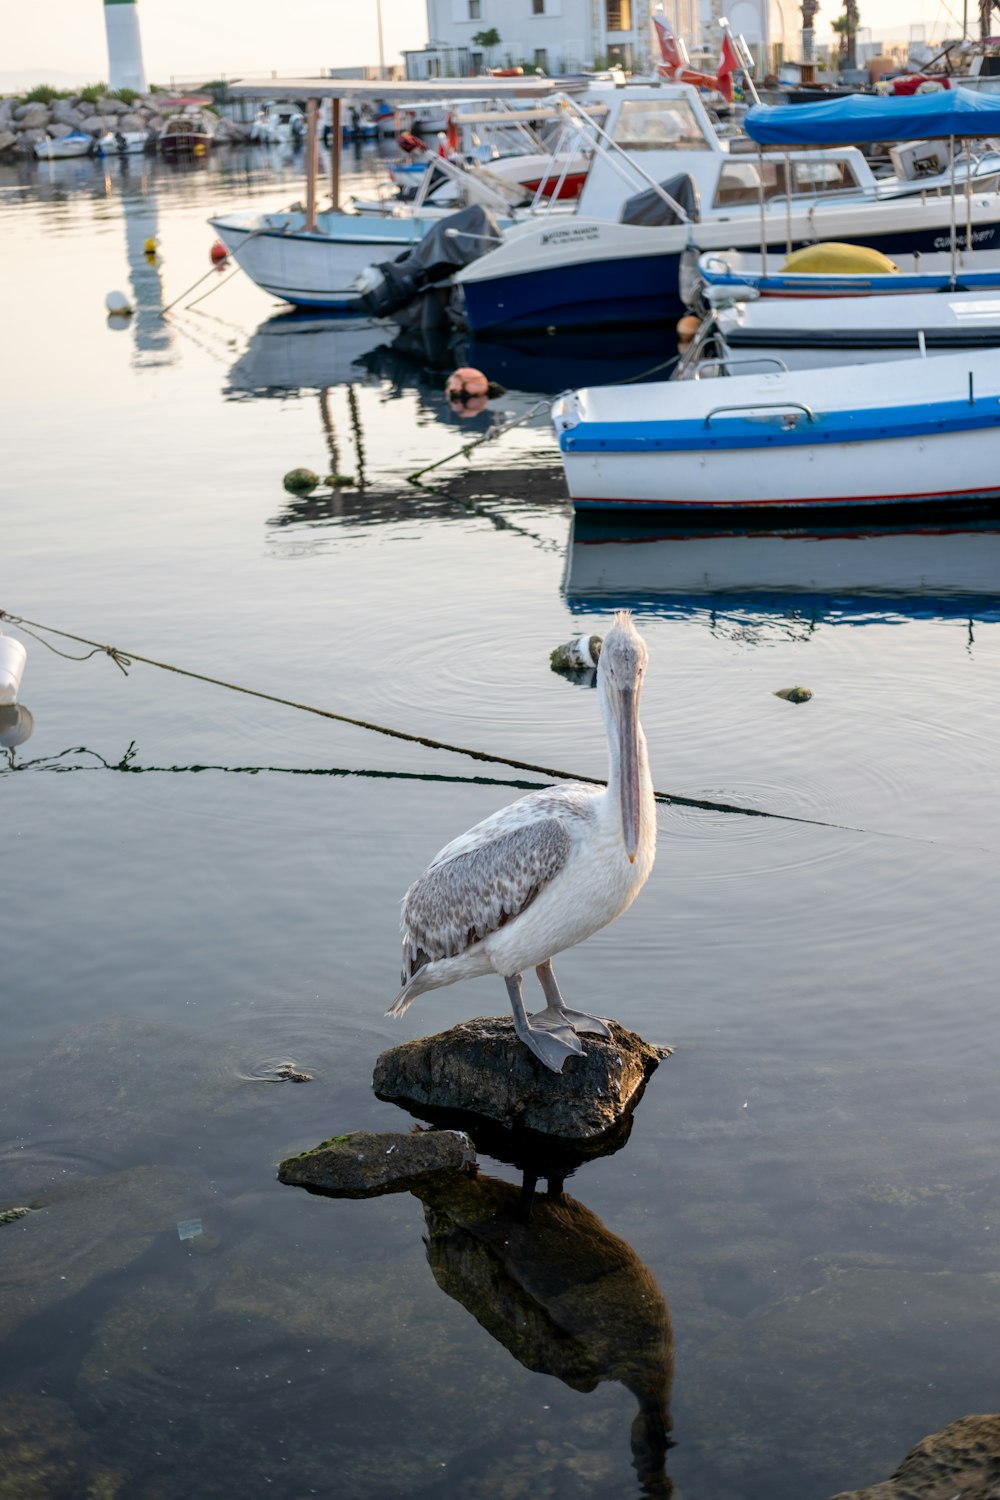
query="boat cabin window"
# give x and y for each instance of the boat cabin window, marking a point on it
(659, 125)
(739, 181)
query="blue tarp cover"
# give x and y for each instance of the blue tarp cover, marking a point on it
(861, 118)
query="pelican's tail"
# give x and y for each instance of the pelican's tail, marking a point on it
(414, 986)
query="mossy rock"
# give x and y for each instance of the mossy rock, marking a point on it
(300, 481)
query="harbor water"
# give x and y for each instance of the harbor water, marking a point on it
(201, 885)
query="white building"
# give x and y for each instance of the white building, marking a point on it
(569, 36)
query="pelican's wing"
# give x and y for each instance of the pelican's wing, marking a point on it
(465, 896)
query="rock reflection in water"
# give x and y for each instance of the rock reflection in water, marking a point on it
(562, 1293)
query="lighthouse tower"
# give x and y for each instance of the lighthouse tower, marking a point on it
(125, 68)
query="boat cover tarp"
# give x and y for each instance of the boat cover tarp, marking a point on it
(649, 207)
(862, 118)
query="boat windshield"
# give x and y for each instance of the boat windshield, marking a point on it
(659, 125)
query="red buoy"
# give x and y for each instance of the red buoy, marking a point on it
(219, 253)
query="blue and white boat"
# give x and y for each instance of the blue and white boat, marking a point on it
(918, 432)
(595, 268)
(76, 143)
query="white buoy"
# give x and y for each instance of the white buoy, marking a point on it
(16, 726)
(118, 304)
(12, 659)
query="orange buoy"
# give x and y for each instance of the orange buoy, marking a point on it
(465, 383)
(219, 253)
(687, 327)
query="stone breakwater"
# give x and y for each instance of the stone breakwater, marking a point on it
(22, 124)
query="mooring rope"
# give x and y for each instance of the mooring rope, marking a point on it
(125, 659)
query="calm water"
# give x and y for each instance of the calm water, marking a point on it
(198, 885)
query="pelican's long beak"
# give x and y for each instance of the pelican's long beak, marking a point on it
(628, 763)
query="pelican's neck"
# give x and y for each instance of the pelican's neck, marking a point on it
(612, 799)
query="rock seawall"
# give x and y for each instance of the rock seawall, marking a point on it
(22, 123)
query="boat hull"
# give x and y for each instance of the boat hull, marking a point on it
(796, 441)
(591, 271)
(315, 270)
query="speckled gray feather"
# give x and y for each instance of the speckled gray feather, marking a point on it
(465, 896)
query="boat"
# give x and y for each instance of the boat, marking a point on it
(916, 432)
(278, 126)
(77, 143)
(836, 326)
(731, 275)
(618, 260)
(123, 143)
(188, 134)
(313, 259)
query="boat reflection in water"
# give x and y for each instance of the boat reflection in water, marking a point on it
(834, 573)
(294, 352)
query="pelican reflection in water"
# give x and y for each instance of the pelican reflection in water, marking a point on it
(562, 1293)
(542, 874)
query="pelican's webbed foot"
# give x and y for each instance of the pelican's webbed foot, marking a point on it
(551, 1044)
(578, 1020)
(556, 1014)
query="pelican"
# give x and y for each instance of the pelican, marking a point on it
(543, 874)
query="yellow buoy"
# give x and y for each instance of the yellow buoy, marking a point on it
(150, 246)
(833, 259)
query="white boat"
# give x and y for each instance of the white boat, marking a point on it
(925, 320)
(722, 275)
(913, 432)
(595, 268)
(123, 143)
(278, 125)
(313, 259)
(77, 143)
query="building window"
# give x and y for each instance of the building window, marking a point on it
(538, 7)
(475, 10)
(618, 14)
(542, 59)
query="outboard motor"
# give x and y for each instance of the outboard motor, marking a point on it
(452, 243)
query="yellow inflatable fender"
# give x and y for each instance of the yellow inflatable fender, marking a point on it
(832, 259)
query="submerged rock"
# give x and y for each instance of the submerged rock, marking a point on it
(11, 1215)
(480, 1066)
(962, 1460)
(794, 694)
(365, 1164)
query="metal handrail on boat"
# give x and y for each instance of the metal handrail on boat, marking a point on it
(763, 406)
(743, 359)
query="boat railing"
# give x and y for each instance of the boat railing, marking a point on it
(786, 406)
(742, 359)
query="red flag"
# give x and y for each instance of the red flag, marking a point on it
(729, 63)
(672, 50)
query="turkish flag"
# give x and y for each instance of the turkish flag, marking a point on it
(728, 65)
(672, 49)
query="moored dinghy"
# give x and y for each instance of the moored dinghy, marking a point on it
(916, 432)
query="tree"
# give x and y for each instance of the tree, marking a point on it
(846, 27)
(488, 39)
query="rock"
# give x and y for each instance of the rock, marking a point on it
(6, 112)
(26, 141)
(131, 122)
(66, 113)
(963, 1459)
(8, 140)
(364, 1164)
(794, 694)
(32, 116)
(93, 124)
(109, 106)
(480, 1066)
(11, 1215)
(56, 131)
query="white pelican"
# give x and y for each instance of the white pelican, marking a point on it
(542, 874)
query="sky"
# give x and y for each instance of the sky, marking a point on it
(62, 41)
